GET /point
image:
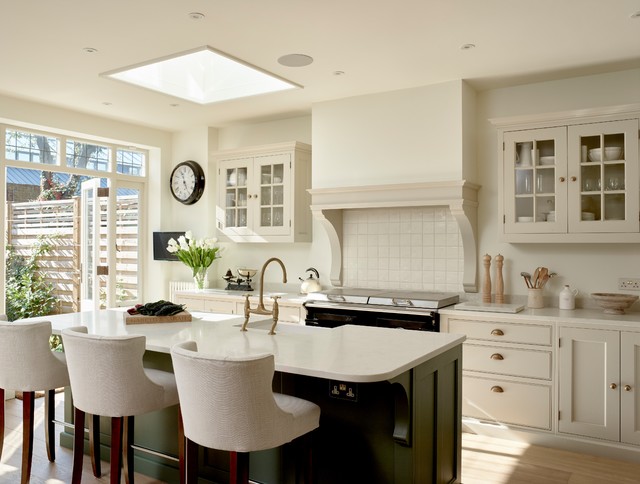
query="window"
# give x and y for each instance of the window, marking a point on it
(35, 148)
(130, 162)
(89, 156)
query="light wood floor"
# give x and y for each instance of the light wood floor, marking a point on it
(485, 460)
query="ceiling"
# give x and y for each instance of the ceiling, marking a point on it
(378, 45)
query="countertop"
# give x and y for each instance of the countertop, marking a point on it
(348, 353)
(576, 317)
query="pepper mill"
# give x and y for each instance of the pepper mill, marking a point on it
(499, 281)
(486, 284)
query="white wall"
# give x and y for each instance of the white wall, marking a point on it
(587, 267)
(405, 136)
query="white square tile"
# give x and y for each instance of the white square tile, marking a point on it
(394, 263)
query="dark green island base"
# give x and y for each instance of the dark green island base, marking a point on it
(406, 430)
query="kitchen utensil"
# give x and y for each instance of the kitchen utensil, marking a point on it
(610, 153)
(536, 274)
(543, 276)
(523, 156)
(614, 303)
(310, 284)
(527, 278)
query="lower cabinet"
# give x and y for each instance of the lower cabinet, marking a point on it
(507, 370)
(289, 311)
(598, 384)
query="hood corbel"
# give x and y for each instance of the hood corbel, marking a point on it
(328, 204)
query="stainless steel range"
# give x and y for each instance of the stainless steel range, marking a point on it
(415, 310)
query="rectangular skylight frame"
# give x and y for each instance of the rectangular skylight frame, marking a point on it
(187, 75)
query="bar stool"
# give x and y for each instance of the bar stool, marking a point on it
(108, 379)
(27, 364)
(228, 404)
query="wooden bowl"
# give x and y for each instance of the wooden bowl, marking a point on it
(614, 303)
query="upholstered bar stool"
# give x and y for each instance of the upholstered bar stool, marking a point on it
(228, 404)
(27, 364)
(108, 379)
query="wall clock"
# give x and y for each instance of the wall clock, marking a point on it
(187, 182)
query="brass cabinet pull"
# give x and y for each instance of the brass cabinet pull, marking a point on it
(497, 389)
(496, 356)
(627, 388)
(613, 386)
(497, 332)
(573, 178)
(561, 179)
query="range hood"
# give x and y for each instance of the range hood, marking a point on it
(460, 196)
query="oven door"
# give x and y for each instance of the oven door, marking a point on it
(325, 317)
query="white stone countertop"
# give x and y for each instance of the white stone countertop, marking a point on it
(348, 353)
(575, 317)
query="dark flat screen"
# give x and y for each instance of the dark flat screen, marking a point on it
(160, 242)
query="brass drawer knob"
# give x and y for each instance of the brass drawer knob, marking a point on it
(497, 332)
(613, 386)
(497, 356)
(627, 388)
(497, 389)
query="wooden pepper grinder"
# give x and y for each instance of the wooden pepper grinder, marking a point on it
(499, 281)
(486, 283)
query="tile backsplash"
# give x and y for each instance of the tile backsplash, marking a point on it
(414, 248)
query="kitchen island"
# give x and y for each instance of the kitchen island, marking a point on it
(390, 399)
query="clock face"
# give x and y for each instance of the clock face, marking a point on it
(187, 182)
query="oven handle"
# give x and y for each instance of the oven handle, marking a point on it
(336, 297)
(402, 302)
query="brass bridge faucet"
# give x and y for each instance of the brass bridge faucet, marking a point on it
(260, 309)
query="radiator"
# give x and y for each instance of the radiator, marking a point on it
(179, 286)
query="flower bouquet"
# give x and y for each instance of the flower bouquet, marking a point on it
(196, 254)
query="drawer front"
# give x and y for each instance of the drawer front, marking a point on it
(503, 332)
(507, 361)
(518, 403)
(193, 304)
(219, 306)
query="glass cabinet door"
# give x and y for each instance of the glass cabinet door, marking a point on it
(603, 168)
(235, 197)
(534, 179)
(272, 217)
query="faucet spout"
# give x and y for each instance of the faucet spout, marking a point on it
(260, 309)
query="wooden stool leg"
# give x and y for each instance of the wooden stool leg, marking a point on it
(78, 446)
(94, 445)
(191, 461)
(49, 425)
(239, 467)
(1, 420)
(128, 449)
(28, 404)
(182, 465)
(116, 449)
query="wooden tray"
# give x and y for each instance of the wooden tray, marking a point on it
(182, 317)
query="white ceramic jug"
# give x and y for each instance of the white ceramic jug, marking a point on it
(567, 298)
(523, 157)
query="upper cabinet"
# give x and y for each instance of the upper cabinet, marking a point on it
(571, 181)
(262, 193)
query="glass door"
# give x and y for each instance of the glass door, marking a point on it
(235, 192)
(273, 215)
(604, 195)
(535, 181)
(95, 268)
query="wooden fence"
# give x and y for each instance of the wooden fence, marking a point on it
(58, 221)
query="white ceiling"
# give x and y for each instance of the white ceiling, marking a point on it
(380, 45)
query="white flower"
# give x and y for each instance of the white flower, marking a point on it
(183, 243)
(188, 234)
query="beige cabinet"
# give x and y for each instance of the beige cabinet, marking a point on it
(507, 370)
(262, 193)
(228, 303)
(598, 384)
(574, 181)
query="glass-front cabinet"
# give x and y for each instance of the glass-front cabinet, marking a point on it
(571, 183)
(261, 198)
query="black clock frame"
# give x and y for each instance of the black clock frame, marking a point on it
(198, 189)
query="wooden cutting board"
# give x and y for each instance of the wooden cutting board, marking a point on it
(182, 317)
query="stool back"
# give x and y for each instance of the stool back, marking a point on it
(26, 360)
(227, 403)
(107, 375)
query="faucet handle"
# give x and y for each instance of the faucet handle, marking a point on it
(275, 312)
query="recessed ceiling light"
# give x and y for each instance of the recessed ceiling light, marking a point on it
(174, 105)
(467, 46)
(295, 60)
(107, 103)
(203, 76)
(90, 50)
(196, 16)
(635, 14)
(338, 73)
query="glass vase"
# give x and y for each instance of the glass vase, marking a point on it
(200, 278)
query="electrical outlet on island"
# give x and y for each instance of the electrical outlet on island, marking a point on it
(629, 284)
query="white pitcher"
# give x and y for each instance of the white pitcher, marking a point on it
(523, 156)
(567, 298)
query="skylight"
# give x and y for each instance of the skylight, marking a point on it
(202, 76)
